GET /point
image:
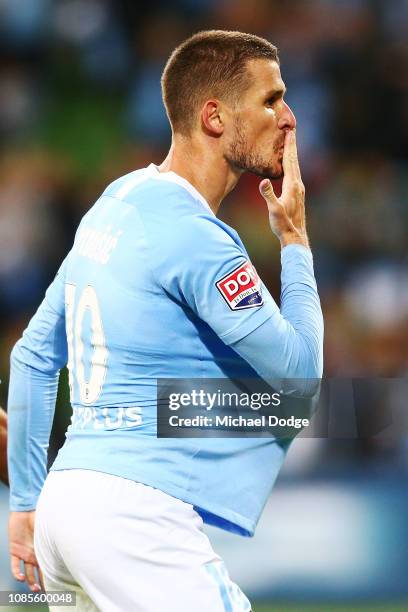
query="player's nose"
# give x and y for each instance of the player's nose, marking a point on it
(287, 118)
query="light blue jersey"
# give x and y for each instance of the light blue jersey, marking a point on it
(155, 286)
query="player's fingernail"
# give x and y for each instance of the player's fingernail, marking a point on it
(265, 186)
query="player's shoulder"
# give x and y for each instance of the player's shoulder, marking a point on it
(128, 187)
(152, 191)
(204, 227)
(170, 207)
(121, 186)
(191, 242)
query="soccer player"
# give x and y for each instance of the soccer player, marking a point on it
(156, 286)
(3, 447)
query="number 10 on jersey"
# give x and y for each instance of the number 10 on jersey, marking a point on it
(89, 390)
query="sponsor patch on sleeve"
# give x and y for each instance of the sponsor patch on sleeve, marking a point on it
(241, 288)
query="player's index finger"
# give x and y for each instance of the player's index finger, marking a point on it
(290, 156)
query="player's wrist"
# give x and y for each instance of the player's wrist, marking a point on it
(22, 515)
(294, 238)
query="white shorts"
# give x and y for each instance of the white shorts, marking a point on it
(126, 547)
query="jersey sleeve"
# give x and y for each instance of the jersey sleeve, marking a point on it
(35, 361)
(204, 266)
(290, 344)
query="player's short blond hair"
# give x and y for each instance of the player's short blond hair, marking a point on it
(209, 64)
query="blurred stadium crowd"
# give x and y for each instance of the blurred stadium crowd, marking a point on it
(80, 104)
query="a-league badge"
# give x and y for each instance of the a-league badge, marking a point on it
(241, 288)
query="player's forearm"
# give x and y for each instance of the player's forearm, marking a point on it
(300, 306)
(288, 345)
(31, 404)
(3, 447)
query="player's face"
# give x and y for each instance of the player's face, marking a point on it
(259, 123)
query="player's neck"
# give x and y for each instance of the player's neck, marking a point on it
(203, 168)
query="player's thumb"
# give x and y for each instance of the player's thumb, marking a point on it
(266, 189)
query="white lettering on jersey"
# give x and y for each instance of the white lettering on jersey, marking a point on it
(106, 418)
(96, 245)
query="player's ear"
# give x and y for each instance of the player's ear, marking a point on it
(211, 117)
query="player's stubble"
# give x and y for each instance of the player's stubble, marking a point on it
(242, 156)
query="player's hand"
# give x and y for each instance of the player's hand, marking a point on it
(21, 543)
(287, 213)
